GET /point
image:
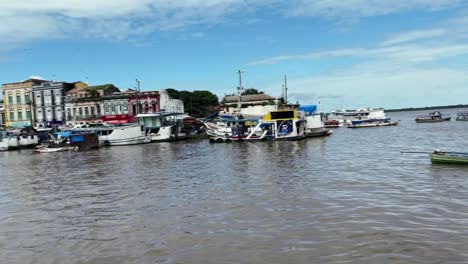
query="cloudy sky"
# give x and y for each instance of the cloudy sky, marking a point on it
(353, 53)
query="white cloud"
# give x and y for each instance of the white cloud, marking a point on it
(364, 8)
(414, 35)
(28, 20)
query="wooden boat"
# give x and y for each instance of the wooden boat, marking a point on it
(331, 123)
(449, 157)
(52, 150)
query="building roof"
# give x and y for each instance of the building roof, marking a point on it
(248, 98)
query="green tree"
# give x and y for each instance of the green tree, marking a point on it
(251, 91)
(196, 103)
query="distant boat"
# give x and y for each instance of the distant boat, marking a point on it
(348, 116)
(372, 123)
(433, 117)
(462, 116)
(449, 157)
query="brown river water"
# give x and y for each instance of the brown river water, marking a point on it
(349, 198)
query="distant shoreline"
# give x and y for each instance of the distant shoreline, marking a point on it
(427, 108)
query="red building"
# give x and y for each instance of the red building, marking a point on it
(143, 102)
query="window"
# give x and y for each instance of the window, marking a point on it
(86, 111)
(12, 116)
(10, 99)
(113, 108)
(18, 99)
(28, 115)
(26, 99)
(107, 109)
(80, 111)
(20, 115)
(92, 110)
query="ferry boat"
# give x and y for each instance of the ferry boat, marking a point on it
(462, 116)
(164, 126)
(279, 125)
(345, 117)
(433, 117)
(228, 126)
(117, 135)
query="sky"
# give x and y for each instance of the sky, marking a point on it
(341, 54)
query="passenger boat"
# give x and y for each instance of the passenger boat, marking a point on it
(345, 117)
(118, 135)
(372, 123)
(279, 125)
(449, 157)
(164, 126)
(462, 116)
(228, 127)
(433, 117)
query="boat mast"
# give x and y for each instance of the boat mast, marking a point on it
(240, 91)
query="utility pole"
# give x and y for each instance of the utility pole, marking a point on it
(285, 89)
(240, 90)
(138, 97)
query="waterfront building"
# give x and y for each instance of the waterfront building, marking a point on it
(169, 104)
(252, 105)
(18, 103)
(49, 103)
(87, 103)
(148, 102)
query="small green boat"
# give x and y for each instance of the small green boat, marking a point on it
(449, 157)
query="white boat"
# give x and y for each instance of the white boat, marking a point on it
(164, 126)
(28, 140)
(51, 150)
(347, 116)
(315, 126)
(373, 124)
(8, 141)
(118, 135)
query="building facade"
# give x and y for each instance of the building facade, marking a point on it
(18, 104)
(169, 104)
(49, 102)
(2, 113)
(254, 105)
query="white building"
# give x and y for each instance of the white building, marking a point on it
(170, 105)
(255, 105)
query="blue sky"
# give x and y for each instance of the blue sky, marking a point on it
(348, 54)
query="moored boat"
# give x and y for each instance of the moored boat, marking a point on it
(279, 125)
(165, 126)
(345, 117)
(118, 135)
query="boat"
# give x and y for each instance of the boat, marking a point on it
(434, 117)
(374, 124)
(345, 117)
(228, 127)
(332, 124)
(8, 141)
(462, 116)
(279, 125)
(449, 157)
(117, 135)
(53, 150)
(165, 126)
(315, 125)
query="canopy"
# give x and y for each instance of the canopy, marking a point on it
(308, 108)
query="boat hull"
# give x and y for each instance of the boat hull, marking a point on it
(449, 159)
(126, 141)
(422, 120)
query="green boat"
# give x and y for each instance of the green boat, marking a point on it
(449, 157)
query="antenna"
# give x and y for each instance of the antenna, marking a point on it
(285, 89)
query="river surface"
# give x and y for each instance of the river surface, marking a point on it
(349, 198)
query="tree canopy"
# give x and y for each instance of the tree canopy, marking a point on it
(252, 91)
(197, 103)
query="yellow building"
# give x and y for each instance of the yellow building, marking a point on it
(17, 101)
